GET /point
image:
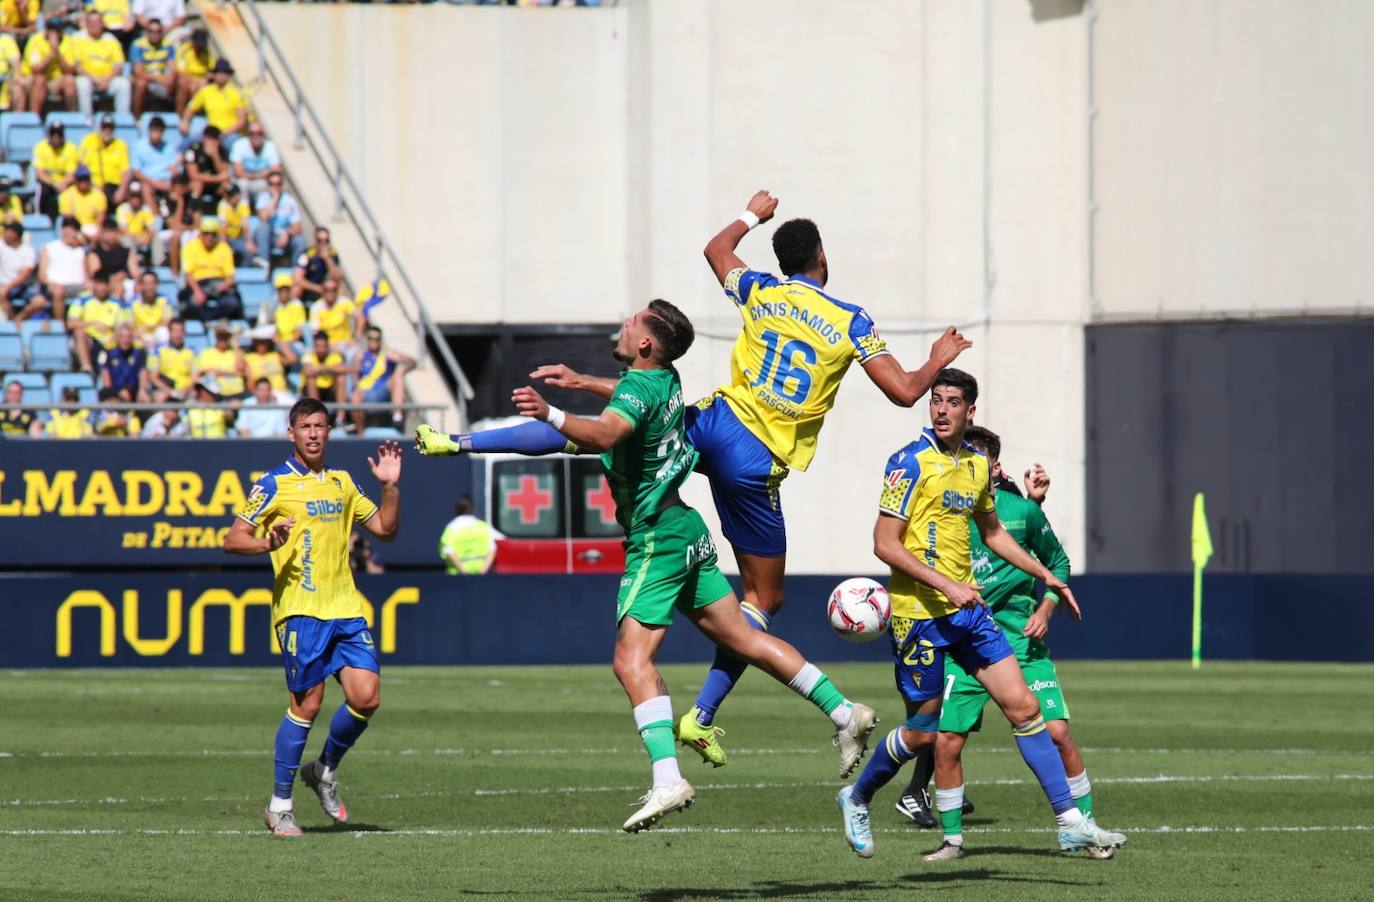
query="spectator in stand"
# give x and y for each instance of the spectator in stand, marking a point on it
(165, 424)
(110, 259)
(118, 19)
(279, 221)
(20, 294)
(155, 161)
(92, 322)
(170, 14)
(136, 221)
(19, 18)
(125, 365)
(70, 423)
(256, 422)
(468, 544)
(171, 370)
(208, 170)
(11, 207)
(98, 59)
(316, 264)
(195, 59)
(381, 378)
(203, 421)
(322, 372)
(152, 313)
(154, 72)
(84, 203)
(180, 219)
(54, 166)
(12, 96)
(362, 556)
(254, 160)
(223, 361)
(333, 317)
(289, 317)
(47, 66)
(208, 266)
(115, 418)
(222, 102)
(107, 157)
(263, 361)
(17, 420)
(62, 268)
(234, 215)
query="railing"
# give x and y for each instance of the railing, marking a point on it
(229, 406)
(348, 197)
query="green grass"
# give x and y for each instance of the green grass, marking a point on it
(1245, 781)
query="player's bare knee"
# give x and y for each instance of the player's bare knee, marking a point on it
(307, 707)
(1022, 710)
(1059, 732)
(949, 745)
(916, 739)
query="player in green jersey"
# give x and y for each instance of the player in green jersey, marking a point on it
(670, 559)
(1010, 594)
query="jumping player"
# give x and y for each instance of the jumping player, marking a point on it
(305, 513)
(670, 560)
(930, 489)
(795, 346)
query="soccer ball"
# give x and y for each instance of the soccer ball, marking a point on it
(859, 609)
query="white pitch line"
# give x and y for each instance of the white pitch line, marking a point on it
(583, 790)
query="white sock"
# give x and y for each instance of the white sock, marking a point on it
(325, 772)
(277, 806)
(660, 707)
(1070, 818)
(666, 772)
(950, 800)
(805, 680)
(841, 715)
(1079, 785)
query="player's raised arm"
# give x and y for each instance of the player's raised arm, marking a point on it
(905, 388)
(563, 376)
(386, 522)
(720, 250)
(891, 550)
(240, 538)
(600, 434)
(996, 537)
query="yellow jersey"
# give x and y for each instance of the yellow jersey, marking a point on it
(192, 64)
(9, 51)
(323, 381)
(70, 424)
(265, 366)
(935, 491)
(289, 318)
(148, 317)
(115, 13)
(107, 162)
(233, 217)
(794, 349)
(38, 48)
(135, 223)
(57, 164)
(335, 321)
(12, 210)
(222, 105)
(10, 9)
(312, 574)
(97, 57)
(212, 358)
(154, 60)
(89, 208)
(201, 262)
(174, 365)
(100, 318)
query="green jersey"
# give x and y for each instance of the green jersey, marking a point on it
(656, 458)
(1009, 592)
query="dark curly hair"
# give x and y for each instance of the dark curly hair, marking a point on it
(986, 439)
(797, 244)
(671, 329)
(959, 379)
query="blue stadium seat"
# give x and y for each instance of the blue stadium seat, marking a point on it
(168, 290)
(37, 221)
(11, 352)
(73, 380)
(87, 396)
(40, 237)
(124, 120)
(28, 380)
(38, 397)
(20, 140)
(12, 171)
(128, 134)
(31, 327)
(197, 343)
(244, 274)
(48, 352)
(194, 327)
(198, 124)
(381, 432)
(164, 274)
(11, 120)
(68, 119)
(254, 295)
(8, 327)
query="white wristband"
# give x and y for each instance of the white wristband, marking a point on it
(749, 218)
(555, 417)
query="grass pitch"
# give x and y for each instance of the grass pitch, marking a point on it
(1244, 781)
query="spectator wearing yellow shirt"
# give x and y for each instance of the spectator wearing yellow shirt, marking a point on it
(92, 321)
(54, 167)
(136, 220)
(333, 316)
(287, 314)
(70, 423)
(117, 421)
(207, 265)
(107, 157)
(12, 96)
(263, 361)
(323, 371)
(82, 202)
(222, 102)
(19, 18)
(171, 369)
(224, 361)
(118, 18)
(154, 60)
(195, 59)
(151, 312)
(203, 421)
(11, 208)
(47, 66)
(234, 215)
(98, 59)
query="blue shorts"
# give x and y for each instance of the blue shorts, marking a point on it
(744, 477)
(969, 635)
(313, 650)
(380, 393)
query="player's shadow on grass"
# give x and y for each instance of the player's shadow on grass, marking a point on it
(347, 828)
(783, 889)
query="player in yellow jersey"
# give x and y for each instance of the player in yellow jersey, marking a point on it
(931, 488)
(302, 514)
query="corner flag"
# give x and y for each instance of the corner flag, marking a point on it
(1202, 553)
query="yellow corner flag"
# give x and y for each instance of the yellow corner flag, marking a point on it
(1202, 553)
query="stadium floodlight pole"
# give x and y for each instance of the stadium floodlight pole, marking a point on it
(1202, 552)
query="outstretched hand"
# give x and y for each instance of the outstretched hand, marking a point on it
(558, 375)
(1065, 597)
(387, 466)
(949, 346)
(762, 205)
(529, 403)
